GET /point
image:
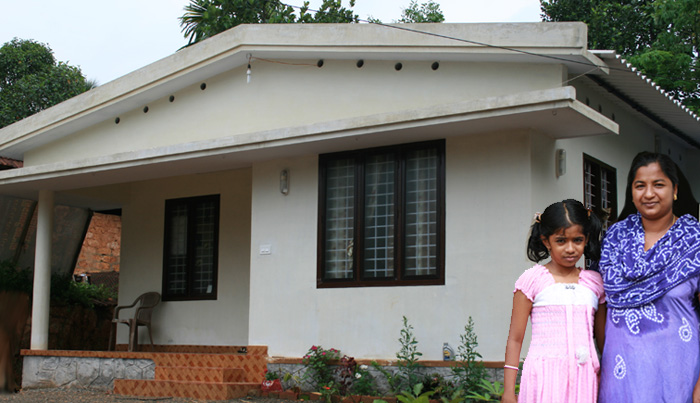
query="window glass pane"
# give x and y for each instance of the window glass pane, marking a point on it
(605, 189)
(588, 185)
(191, 250)
(379, 217)
(177, 258)
(421, 212)
(340, 223)
(205, 236)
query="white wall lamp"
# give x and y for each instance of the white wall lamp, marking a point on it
(248, 72)
(560, 161)
(284, 182)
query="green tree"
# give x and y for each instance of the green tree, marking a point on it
(31, 80)
(659, 37)
(425, 12)
(206, 18)
(672, 59)
(626, 26)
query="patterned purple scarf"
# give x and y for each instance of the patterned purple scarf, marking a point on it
(633, 277)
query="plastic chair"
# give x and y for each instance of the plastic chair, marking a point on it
(142, 317)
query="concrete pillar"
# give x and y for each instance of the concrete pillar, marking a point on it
(42, 271)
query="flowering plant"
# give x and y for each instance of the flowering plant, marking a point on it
(271, 383)
(364, 383)
(271, 375)
(327, 392)
(346, 374)
(317, 362)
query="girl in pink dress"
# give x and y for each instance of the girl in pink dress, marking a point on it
(563, 303)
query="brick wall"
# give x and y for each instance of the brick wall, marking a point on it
(100, 251)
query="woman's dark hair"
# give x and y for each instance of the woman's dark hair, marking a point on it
(559, 216)
(686, 203)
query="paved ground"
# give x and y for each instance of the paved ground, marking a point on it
(75, 395)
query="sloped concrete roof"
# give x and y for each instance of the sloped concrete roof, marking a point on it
(528, 42)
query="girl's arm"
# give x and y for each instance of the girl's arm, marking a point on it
(599, 326)
(518, 324)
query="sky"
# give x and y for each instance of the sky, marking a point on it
(111, 38)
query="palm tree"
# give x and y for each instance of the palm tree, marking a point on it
(206, 18)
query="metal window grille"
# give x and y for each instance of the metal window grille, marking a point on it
(177, 262)
(205, 249)
(589, 185)
(340, 219)
(421, 213)
(379, 216)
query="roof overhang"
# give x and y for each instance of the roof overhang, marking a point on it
(555, 113)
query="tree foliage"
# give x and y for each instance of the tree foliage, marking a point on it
(425, 12)
(626, 26)
(206, 18)
(660, 37)
(31, 80)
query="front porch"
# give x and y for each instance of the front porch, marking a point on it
(199, 372)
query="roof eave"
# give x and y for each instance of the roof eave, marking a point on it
(642, 94)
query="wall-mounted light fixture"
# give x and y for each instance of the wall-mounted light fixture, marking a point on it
(560, 161)
(248, 72)
(284, 182)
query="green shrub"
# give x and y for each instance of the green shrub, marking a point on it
(408, 357)
(12, 279)
(469, 372)
(364, 383)
(64, 291)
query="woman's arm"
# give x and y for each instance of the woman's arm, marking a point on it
(696, 390)
(599, 326)
(518, 324)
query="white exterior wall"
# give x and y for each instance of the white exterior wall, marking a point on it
(297, 96)
(636, 135)
(485, 183)
(223, 321)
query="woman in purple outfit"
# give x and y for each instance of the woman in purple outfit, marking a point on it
(650, 264)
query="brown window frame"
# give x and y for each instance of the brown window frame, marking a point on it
(399, 278)
(191, 203)
(596, 195)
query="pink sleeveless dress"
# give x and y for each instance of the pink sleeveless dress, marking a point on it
(562, 362)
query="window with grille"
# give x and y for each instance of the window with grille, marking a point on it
(382, 216)
(191, 248)
(600, 189)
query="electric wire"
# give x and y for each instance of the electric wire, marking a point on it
(506, 48)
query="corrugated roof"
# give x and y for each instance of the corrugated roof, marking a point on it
(648, 98)
(8, 163)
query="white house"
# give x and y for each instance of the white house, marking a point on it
(341, 176)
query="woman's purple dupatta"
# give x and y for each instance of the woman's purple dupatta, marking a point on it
(633, 277)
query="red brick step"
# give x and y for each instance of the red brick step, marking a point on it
(195, 390)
